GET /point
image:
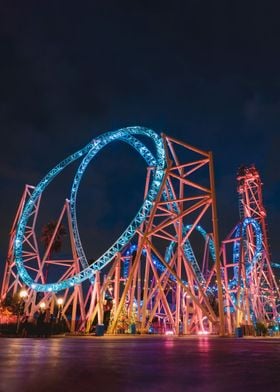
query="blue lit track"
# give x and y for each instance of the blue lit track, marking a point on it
(188, 251)
(240, 231)
(158, 162)
(89, 152)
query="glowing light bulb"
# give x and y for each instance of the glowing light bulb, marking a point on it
(23, 294)
(60, 301)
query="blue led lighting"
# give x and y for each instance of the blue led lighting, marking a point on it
(189, 253)
(240, 231)
(158, 264)
(89, 152)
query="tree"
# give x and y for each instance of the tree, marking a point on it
(124, 321)
(261, 329)
(47, 233)
(46, 237)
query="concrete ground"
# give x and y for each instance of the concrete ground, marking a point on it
(140, 363)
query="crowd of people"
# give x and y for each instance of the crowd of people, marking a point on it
(42, 324)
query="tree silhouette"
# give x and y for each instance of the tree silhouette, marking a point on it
(46, 237)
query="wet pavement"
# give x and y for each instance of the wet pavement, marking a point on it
(139, 364)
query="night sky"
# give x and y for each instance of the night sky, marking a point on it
(205, 72)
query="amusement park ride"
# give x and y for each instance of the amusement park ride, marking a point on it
(167, 272)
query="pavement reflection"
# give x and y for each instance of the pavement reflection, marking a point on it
(144, 363)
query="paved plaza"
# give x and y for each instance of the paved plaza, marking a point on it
(141, 363)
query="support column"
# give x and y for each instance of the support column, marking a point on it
(217, 246)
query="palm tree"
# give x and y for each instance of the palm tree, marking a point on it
(46, 236)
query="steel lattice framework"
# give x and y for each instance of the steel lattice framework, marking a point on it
(251, 290)
(165, 281)
(89, 152)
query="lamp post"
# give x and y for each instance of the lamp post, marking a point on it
(20, 308)
(59, 304)
(41, 319)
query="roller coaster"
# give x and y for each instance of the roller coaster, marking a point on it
(166, 273)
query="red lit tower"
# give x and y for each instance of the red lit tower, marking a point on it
(252, 293)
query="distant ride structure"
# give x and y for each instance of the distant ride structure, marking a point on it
(251, 289)
(167, 272)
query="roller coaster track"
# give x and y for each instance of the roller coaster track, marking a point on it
(89, 152)
(159, 163)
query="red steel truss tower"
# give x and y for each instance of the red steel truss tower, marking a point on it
(252, 293)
